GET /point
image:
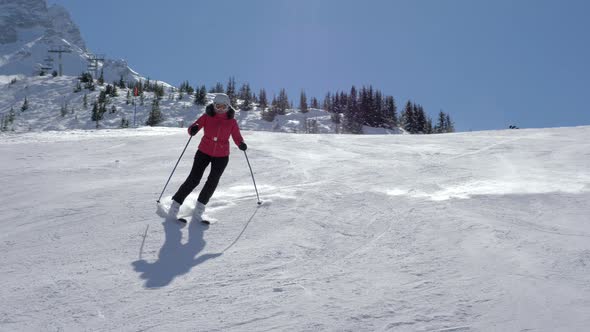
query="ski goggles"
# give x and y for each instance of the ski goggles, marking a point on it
(220, 108)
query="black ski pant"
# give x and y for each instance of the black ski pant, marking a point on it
(201, 162)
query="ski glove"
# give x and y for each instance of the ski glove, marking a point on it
(193, 130)
(242, 146)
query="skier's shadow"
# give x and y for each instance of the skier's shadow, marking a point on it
(175, 258)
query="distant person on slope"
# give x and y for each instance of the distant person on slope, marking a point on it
(218, 124)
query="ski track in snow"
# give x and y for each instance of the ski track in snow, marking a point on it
(460, 232)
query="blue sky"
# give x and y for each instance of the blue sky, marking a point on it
(488, 63)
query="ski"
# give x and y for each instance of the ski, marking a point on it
(183, 221)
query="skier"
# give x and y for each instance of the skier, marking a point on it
(218, 124)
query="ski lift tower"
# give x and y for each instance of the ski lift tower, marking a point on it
(93, 63)
(48, 65)
(60, 50)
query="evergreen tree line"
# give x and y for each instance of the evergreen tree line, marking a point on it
(350, 111)
(353, 110)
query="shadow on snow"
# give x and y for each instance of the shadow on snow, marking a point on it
(174, 258)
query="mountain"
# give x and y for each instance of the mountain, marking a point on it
(481, 231)
(29, 29)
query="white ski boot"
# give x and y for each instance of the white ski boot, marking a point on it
(173, 211)
(199, 210)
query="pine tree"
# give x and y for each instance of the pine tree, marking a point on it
(128, 97)
(409, 122)
(429, 129)
(85, 77)
(303, 102)
(352, 117)
(102, 96)
(282, 102)
(450, 126)
(314, 103)
(231, 91)
(155, 116)
(25, 105)
(391, 112)
(327, 103)
(159, 90)
(124, 123)
(122, 83)
(262, 102)
(246, 96)
(271, 112)
(201, 96)
(85, 101)
(441, 126)
(420, 119)
(217, 89)
(379, 110)
(95, 114)
(186, 87)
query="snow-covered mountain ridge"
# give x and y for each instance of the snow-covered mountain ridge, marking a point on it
(29, 30)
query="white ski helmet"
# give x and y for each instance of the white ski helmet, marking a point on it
(221, 98)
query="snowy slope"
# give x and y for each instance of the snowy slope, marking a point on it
(483, 231)
(47, 95)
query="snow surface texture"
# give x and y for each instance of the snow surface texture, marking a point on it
(483, 231)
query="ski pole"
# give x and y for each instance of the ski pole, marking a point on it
(189, 140)
(252, 173)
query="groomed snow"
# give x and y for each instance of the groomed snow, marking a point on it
(483, 231)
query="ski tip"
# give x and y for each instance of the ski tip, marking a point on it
(182, 220)
(207, 222)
